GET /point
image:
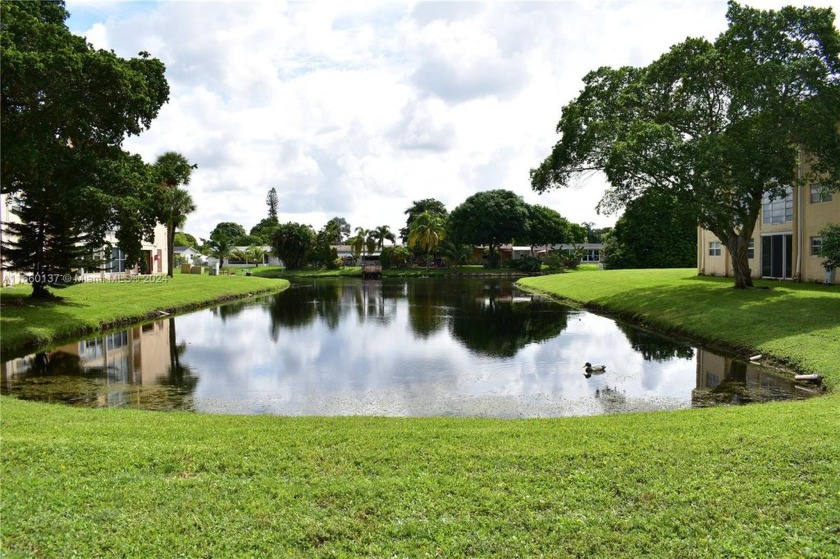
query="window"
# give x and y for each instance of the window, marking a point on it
(819, 195)
(751, 249)
(117, 261)
(816, 245)
(777, 210)
(591, 255)
(714, 248)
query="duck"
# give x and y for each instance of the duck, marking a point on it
(593, 369)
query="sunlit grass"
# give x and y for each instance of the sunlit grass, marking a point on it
(752, 481)
(28, 324)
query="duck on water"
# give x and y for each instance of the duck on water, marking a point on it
(594, 369)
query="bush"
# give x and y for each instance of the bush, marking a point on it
(529, 264)
(555, 262)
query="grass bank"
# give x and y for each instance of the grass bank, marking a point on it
(27, 324)
(753, 481)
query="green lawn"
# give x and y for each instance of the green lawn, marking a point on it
(753, 481)
(83, 308)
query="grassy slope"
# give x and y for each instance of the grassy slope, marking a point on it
(755, 481)
(87, 307)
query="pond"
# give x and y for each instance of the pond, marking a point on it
(396, 347)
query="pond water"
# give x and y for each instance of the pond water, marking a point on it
(417, 347)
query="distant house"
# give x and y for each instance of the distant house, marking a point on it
(268, 260)
(591, 252)
(346, 255)
(188, 255)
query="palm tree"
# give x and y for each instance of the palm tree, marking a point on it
(456, 253)
(426, 232)
(381, 234)
(240, 254)
(359, 242)
(175, 203)
(220, 248)
(257, 254)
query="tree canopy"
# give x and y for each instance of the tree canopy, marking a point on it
(654, 231)
(66, 109)
(272, 202)
(174, 203)
(491, 218)
(228, 230)
(430, 205)
(292, 243)
(546, 227)
(716, 124)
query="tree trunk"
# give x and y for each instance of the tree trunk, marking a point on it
(737, 245)
(39, 290)
(170, 249)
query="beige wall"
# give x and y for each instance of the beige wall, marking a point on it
(808, 219)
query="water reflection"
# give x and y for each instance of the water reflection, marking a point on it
(399, 348)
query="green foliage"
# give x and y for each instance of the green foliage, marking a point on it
(456, 253)
(338, 230)
(555, 262)
(292, 243)
(491, 218)
(185, 240)
(228, 230)
(653, 232)
(381, 234)
(429, 205)
(426, 233)
(264, 230)
(322, 254)
(546, 227)
(714, 124)
(272, 203)
(830, 247)
(220, 248)
(394, 256)
(66, 110)
(528, 264)
(173, 203)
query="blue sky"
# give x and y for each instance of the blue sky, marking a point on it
(355, 109)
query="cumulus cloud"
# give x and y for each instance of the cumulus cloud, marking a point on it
(356, 109)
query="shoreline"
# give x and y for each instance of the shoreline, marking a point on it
(41, 337)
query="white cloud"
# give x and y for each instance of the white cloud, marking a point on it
(357, 109)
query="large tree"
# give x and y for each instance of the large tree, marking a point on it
(654, 231)
(337, 230)
(546, 227)
(716, 124)
(492, 218)
(272, 203)
(264, 230)
(66, 109)
(430, 205)
(427, 232)
(175, 203)
(381, 234)
(292, 243)
(227, 229)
